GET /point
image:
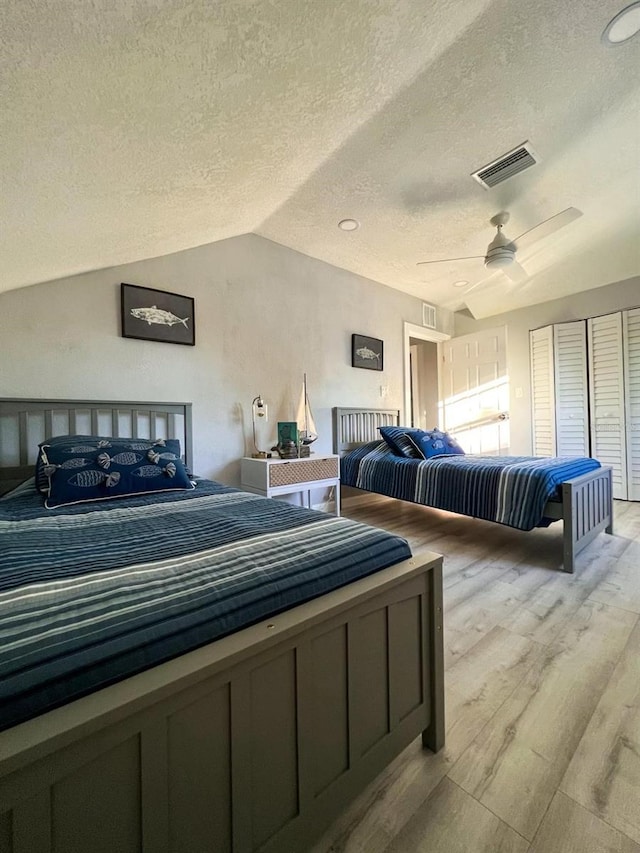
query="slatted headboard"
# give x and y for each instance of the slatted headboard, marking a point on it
(25, 423)
(352, 427)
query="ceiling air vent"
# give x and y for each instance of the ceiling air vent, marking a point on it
(505, 167)
(428, 315)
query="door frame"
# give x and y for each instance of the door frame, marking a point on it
(421, 333)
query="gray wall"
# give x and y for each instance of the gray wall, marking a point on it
(591, 303)
(264, 315)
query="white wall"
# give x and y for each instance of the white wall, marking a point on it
(591, 303)
(264, 315)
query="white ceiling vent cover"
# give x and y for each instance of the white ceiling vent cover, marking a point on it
(429, 315)
(505, 167)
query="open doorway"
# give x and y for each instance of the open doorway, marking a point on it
(421, 380)
(461, 386)
(423, 384)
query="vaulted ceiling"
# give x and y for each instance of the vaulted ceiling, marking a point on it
(137, 128)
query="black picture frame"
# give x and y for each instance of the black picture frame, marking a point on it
(165, 317)
(367, 352)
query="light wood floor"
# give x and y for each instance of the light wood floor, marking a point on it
(542, 694)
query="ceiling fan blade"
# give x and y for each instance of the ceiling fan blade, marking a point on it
(546, 228)
(515, 272)
(473, 286)
(451, 260)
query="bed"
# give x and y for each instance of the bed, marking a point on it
(583, 501)
(253, 741)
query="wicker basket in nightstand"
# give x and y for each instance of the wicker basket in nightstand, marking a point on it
(293, 471)
(271, 477)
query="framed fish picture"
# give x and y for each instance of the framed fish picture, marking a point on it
(156, 315)
(366, 352)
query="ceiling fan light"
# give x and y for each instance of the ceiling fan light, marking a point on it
(499, 258)
(624, 26)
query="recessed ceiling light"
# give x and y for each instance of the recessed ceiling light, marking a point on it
(461, 283)
(349, 224)
(624, 26)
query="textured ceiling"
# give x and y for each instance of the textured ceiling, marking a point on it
(136, 128)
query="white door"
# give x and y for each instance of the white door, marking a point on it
(607, 398)
(543, 393)
(631, 340)
(571, 389)
(474, 391)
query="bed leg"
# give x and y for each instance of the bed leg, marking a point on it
(609, 528)
(433, 735)
(568, 526)
(433, 738)
(568, 563)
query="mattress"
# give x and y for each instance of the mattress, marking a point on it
(92, 594)
(510, 490)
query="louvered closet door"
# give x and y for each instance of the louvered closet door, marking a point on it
(631, 341)
(543, 392)
(606, 396)
(571, 389)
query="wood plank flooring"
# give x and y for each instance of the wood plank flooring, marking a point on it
(542, 697)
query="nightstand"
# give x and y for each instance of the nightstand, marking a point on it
(271, 477)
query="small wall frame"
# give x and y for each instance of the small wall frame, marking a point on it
(367, 352)
(156, 315)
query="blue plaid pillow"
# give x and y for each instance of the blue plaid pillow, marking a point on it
(435, 443)
(398, 439)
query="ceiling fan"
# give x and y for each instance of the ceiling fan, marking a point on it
(501, 251)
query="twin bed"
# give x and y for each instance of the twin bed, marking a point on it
(521, 492)
(195, 669)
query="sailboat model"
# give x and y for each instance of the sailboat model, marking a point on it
(307, 432)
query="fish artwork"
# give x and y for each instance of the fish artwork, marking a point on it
(85, 479)
(146, 445)
(155, 470)
(158, 316)
(154, 457)
(367, 354)
(84, 448)
(75, 463)
(147, 471)
(104, 460)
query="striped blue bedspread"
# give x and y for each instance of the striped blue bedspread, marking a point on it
(511, 490)
(94, 593)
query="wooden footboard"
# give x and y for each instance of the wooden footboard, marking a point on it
(253, 743)
(586, 510)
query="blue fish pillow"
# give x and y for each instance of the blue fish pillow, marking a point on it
(109, 468)
(435, 443)
(171, 445)
(399, 440)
